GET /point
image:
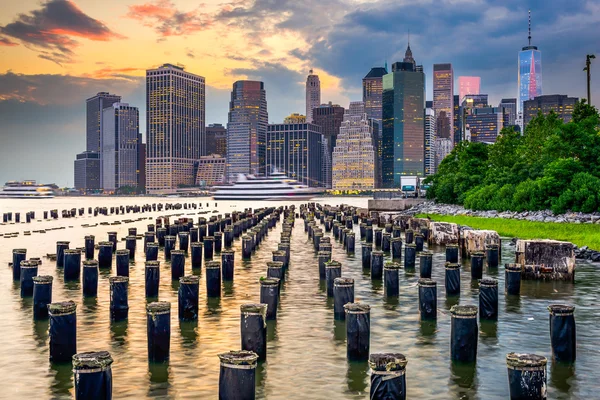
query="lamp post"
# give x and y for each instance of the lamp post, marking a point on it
(588, 63)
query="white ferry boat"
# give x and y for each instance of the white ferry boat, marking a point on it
(26, 190)
(275, 187)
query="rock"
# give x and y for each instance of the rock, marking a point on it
(442, 233)
(546, 259)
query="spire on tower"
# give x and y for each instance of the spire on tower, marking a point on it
(529, 37)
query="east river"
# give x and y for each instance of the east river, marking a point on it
(306, 347)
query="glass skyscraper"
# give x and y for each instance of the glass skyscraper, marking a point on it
(120, 136)
(530, 72)
(403, 138)
(175, 125)
(443, 100)
(247, 129)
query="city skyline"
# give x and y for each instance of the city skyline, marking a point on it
(109, 48)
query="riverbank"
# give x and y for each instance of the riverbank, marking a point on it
(585, 236)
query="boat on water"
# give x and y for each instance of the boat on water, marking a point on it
(26, 190)
(277, 186)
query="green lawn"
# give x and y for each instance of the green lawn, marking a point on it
(580, 234)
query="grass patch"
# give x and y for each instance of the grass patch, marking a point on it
(580, 234)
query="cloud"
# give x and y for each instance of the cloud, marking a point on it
(51, 29)
(167, 20)
(6, 42)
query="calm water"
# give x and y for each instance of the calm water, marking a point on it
(306, 348)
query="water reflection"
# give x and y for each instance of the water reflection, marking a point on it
(40, 332)
(228, 289)
(427, 331)
(376, 285)
(90, 304)
(189, 334)
(339, 331)
(271, 330)
(390, 303)
(261, 375)
(451, 301)
(357, 376)
(62, 382)
(513, 303)
(213, 306)
(160, 379)
(464, 375)
(488, 332)
(561, 375)
(118, 333)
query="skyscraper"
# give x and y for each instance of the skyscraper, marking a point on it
(353, 162)
(510, 109)
(456, 112)
(403, 121)
(94, 106)
(313, 94)
(373, 92)
(297, 150)
(141, 180)
(247, 129)
(216, 140)
(561, 104)
(484, 124)
(87, 171)
(175, 125)
(468, 85)
(120, 135)
(329, 117)
(530, 72)
(430, 141)
(443, 100)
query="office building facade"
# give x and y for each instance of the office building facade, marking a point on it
(120, 135)
(297, 150)
(372, 86)
(430, 165)
(353, 160)
(468, 85)
(175, 127)
(456, 112)
(509, 107)
(94, 106)
(443, 100)
(561, 104)
(141, 180)
(87, 171)
(247, 129)
(530, 72)
(329, 117)
(484, 124)
(216, 140)
(403, 136)
(210, 170)
(313, 94)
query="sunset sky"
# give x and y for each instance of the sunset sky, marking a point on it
(55, 54)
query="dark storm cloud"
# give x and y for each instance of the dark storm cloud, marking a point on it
(164, 17)
(51, 28)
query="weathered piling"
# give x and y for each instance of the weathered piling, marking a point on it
(130, 244)
(161, 233)
(391, 282)
(90, 243)
(42, 296)
(386, 242)
(396, 244)
(546, 259)
(488, 299)
(526, 376)
(18, 256)
(409, 236)
(60, 253)
(388, 378)
(350, 242)
(105, 252)
(92, 373)
(253, 324)
(427, 299)
(152, 278)
(158, 322)
(228, 237)
(275, 270)
(476, 265)
(452, 253)
(452, 279)
(119, 304)
(29, 270)
(187, 297)
(269, 295)
(323, 257)
(177, 264)
(237, 375)
(169, 246)
(282, 255)
(464, 334)
(213, 279)
(425, 264)
(151, 251)
(378, 233)
(376, 265)
(563, 336)
(419, 241)
(227, 264)
(184, 241)
(366, 251)
(492, 255)
(512, 279)
(218, 241)
(333, 269)
(62, 331)
(112, 237)
(196, 254)
(410, 255)
(343, 293)
(358, 331)
(72, 264)
(122, 261)
(369, 234)
(90, 278)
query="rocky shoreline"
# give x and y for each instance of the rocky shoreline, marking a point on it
(584, 252)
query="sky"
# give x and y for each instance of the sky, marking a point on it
(54, 54)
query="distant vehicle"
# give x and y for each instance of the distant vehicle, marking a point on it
(26, 190)
(409, 186)
(423, 188)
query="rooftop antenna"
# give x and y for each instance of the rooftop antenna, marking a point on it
(529, 37)
(408, 37)
(310, 72)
